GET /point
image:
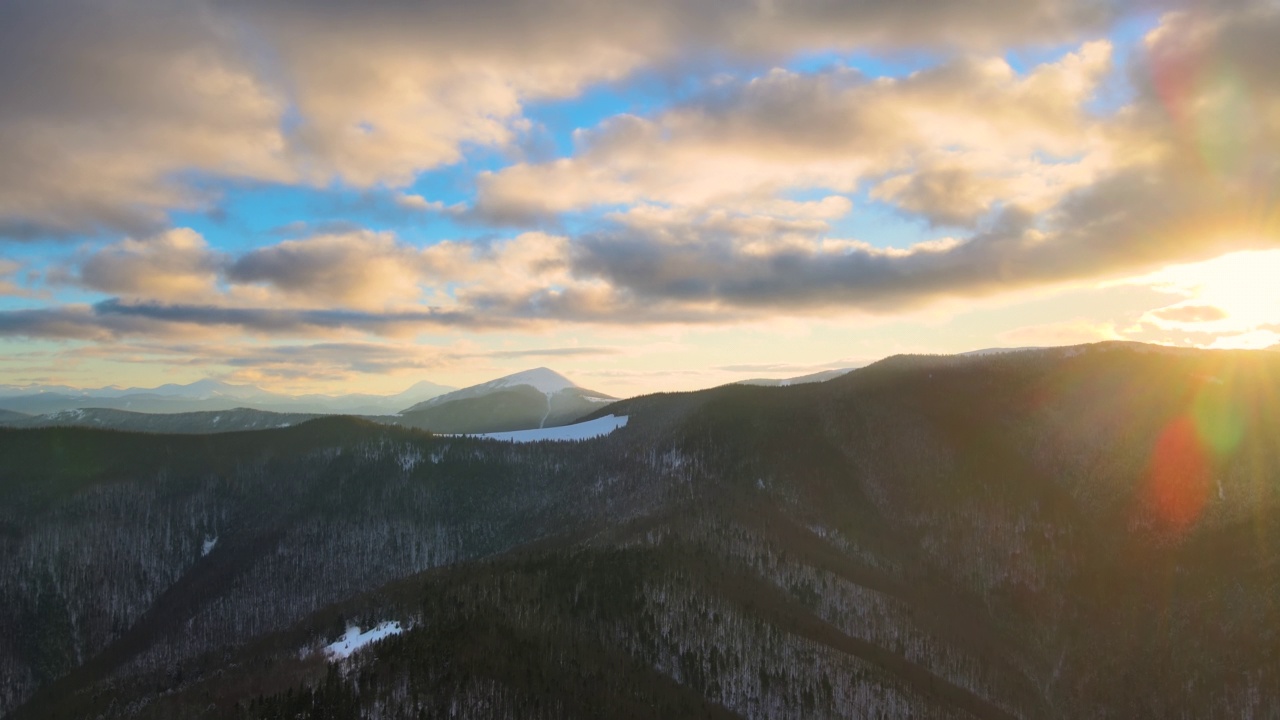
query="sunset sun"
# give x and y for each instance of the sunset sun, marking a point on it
(1231, 301)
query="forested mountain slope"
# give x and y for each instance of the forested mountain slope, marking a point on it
(1089, 532)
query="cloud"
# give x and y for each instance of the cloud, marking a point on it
(298, 321)
(1260, 339)
(417, 202)
(1071, 332)
(1132, 221)
(9, 269)
(114, 112)
(943, 196)
(172, 265)
(114, 319)
(364, 281)
(304, 228)
(309, 362)
(106, 102)
(551, 352)
(710, 231)
(947, 143)
(356, 270)
(1190, 313)
(333, 359)
(72, 322)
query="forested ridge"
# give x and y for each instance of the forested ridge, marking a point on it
(1083, 532)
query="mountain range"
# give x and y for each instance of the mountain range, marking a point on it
(525, 400)
(1060, 533)
(207, 395)
(538, 398)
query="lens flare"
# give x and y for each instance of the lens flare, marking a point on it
(1178, 476)
(1200, 443)
(1219, 422)
(1210, 105)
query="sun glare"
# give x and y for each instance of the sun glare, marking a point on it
(1235, 296)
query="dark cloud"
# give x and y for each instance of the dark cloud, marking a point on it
(288, 320)
(112, 319)
(1130, 222)
(360, 269)
(72, 322)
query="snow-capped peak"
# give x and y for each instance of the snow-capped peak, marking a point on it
(544, 380)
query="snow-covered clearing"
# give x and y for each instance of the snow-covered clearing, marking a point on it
(580, 431)
(354, 639)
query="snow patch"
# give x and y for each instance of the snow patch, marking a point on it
(355, 640)
(409, 459)
(580, 431)
(209, 544)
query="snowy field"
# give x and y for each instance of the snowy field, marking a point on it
(354, 639)
(581, 431)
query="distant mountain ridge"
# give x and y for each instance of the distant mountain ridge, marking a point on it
(200, 422)
(206, 395)
(526, 400)
(817, 377)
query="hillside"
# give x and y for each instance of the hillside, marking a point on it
(822, 376)
(1089, 532)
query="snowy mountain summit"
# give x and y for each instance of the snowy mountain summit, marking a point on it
(542, 379)
(526, 400)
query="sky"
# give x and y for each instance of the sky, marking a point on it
(321, 196)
